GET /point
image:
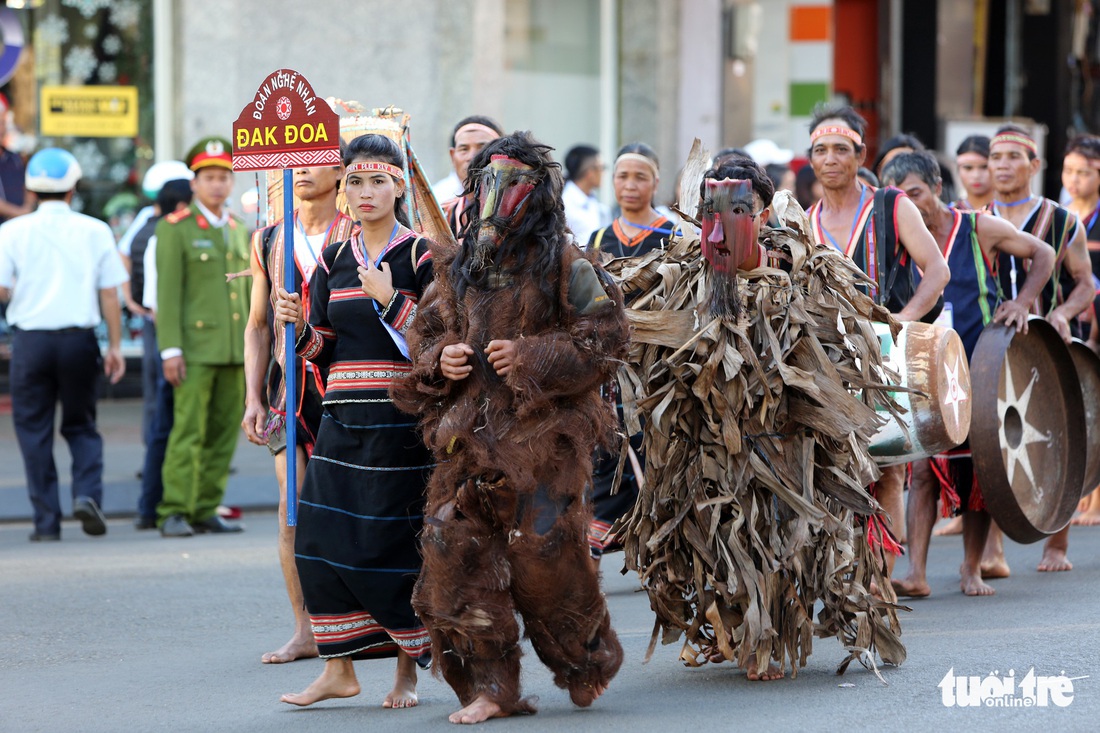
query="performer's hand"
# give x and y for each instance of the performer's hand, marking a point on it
(377, 282)
(288, 309)
(1012, 313)
(175, 371)
(502, 354)
(114, 366)
(453, 361)
(254, 422)
(1061, 324)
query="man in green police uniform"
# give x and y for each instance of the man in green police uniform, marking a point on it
(200, 332)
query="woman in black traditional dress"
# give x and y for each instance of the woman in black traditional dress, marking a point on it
(362, 502)
(639, 229)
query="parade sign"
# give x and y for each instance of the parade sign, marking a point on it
(89, 111)
(286, 125)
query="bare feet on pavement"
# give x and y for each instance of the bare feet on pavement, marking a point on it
(1054, 560)
(479, 710)
(1090, 518)
(973, 585)
(772, 673)
(955, 526)
(294, 649)
(403, 694)
(995, 568)
(337, 680)
(909, 587)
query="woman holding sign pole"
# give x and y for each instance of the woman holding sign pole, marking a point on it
(362, 502)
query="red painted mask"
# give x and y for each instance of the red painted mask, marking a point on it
(502, 194)
(728, 211)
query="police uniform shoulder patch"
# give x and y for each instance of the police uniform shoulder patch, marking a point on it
(177, 216)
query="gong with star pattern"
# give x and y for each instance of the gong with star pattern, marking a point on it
(1027, 433)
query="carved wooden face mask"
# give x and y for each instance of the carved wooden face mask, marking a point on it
(502, 195)
(728, 211)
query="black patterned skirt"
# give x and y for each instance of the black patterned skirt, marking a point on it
(359, 516)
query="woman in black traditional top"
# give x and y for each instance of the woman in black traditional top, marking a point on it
(361, 506)
(639, 229)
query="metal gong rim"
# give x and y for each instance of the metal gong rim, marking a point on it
(1027, 413)
(1088, 373)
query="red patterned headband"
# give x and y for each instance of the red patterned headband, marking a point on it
(835, 130)
(1020, 138)
(374, 166)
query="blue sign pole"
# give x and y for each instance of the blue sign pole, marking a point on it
(290, 374)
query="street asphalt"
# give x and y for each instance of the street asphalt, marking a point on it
(132, 632)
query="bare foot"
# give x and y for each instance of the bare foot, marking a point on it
(772, 673)
(993, 569)
(910, 588)
(338, 680)
(296, 648)
(1054, 560)
(973, 585)
(1087, 519)
(403, 694)
(479, 710)
(955, 526)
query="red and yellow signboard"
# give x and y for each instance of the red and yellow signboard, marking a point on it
(286, 125)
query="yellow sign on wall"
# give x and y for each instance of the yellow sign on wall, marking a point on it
(90, 111)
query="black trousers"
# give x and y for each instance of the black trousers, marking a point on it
(47, 366)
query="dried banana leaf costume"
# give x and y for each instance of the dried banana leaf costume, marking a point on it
(505, 527)
(757, 447)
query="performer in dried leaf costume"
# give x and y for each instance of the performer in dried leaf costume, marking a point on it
(754, 498)
(509, 349)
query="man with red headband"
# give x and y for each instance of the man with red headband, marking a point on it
(1013, 160)
(969, 241)
(846, 217)
(509, 350)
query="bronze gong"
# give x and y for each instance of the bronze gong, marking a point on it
(1025, 435)
(1088, 372)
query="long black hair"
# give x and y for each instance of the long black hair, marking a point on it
(380, 149)
(536, 244)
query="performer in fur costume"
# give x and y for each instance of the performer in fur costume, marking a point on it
(754, 506)
(509, 348)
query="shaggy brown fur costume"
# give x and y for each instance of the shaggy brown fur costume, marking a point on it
(506, 519)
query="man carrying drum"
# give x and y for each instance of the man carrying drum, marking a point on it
(1069, 290)
(846, 217)
(969, 241)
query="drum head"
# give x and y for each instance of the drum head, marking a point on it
(1088, 373)
(943, 411)
(1027, 424)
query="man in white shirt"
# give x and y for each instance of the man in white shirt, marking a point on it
(61, 273)
(583, 211)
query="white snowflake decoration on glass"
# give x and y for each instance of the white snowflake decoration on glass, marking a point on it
(125, 13)
(112, 44)
(91, 30)
(119, 172)
(53, 31)
(80, 63)
(90, 158)
(87, 8)
(108, 72)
